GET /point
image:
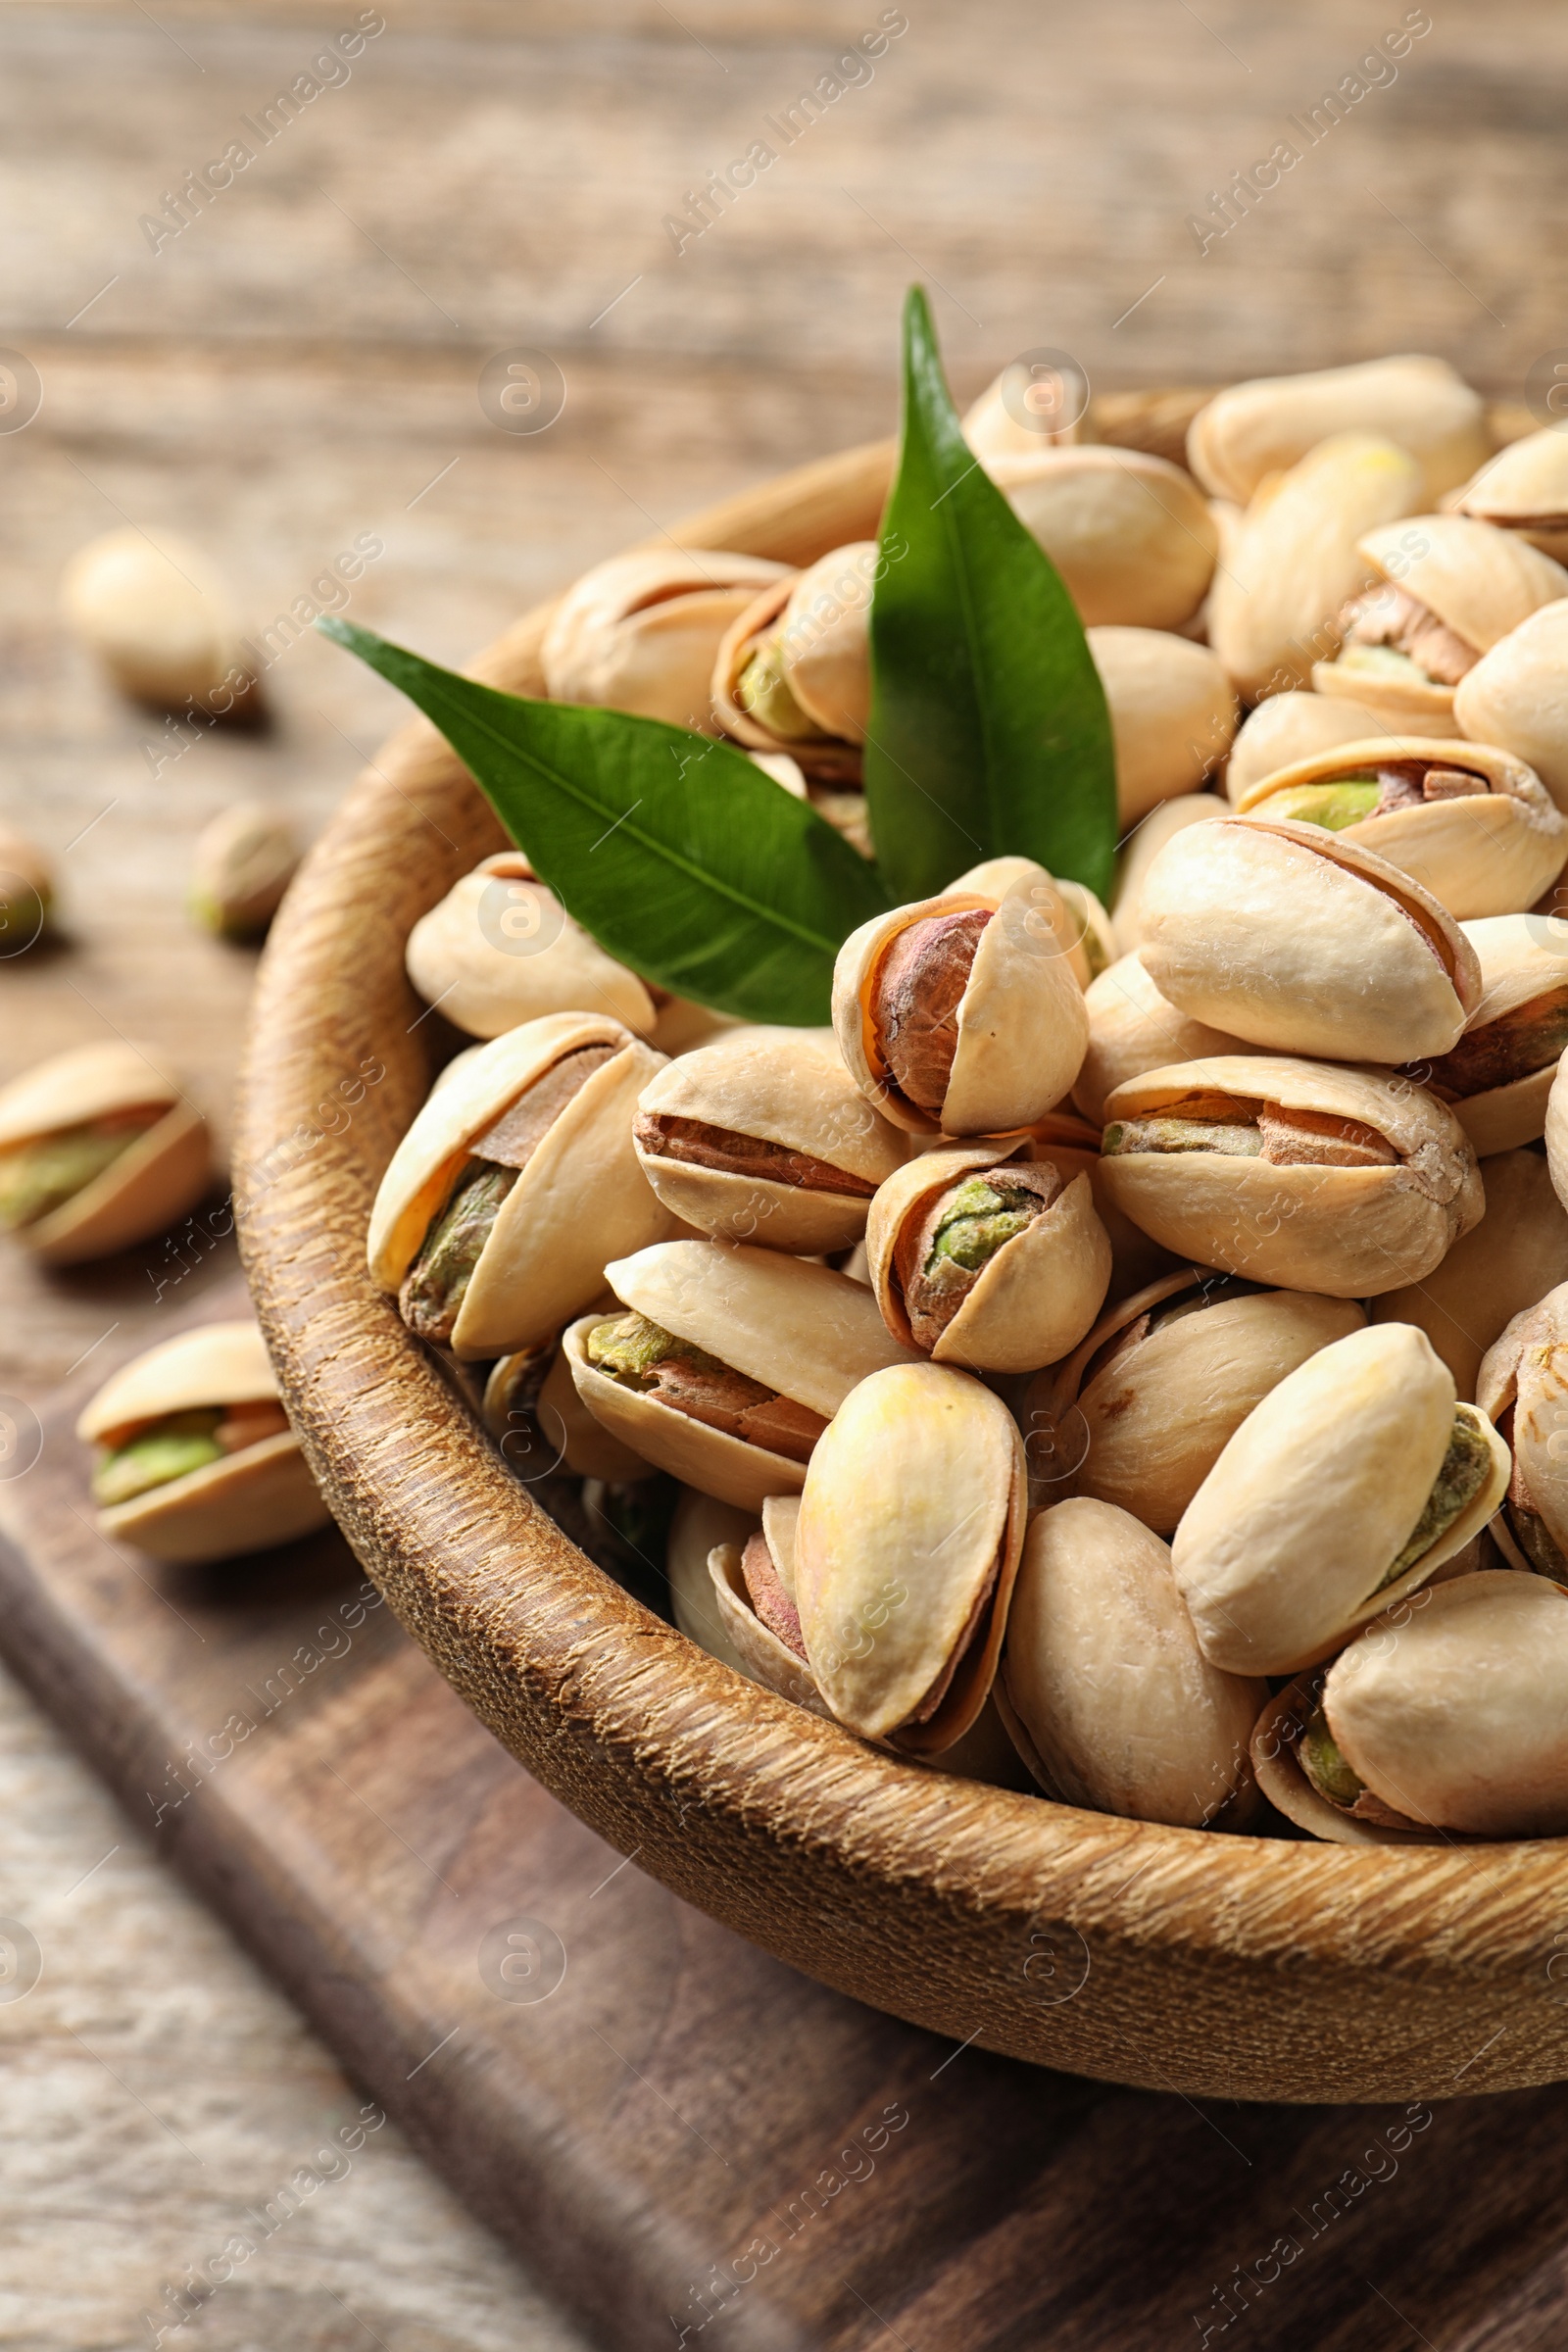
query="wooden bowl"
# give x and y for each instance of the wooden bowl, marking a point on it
(1215, 1966)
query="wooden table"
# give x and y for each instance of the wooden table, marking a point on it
(298, 365)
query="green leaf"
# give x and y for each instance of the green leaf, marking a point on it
(989, 731)
(682, 859)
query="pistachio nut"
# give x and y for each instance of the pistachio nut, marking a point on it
(160, 619)
(764, 1136)
(986, 1258)
(794, 670)
(697, 1528)
(1304, 941)
(99, 1147)
(27, 890)
(1445, 591)
(1165, 1379)
(1474, 825)
(727, 1363)
(640, 633)
(1071, 1147)
(1310, 1175)
(1070, 908)
(1028, 408)
(514, 1184)
(244, 862)
(196, 1459)
(1524, 488)
(1497, 1270)
(1133, 1029)
(1173, 713)
(1499, 1076)
(1357, 1477)
(910, 1527)
(1293, 726)
(1255, 429)
(499, 948)
(1517, 696)
(753, 1591)
(1523, 1385)
(962, 1013)
(1107, 1692)
(1132, 538)
(531, 1408)
(1447, 1720)
(1163, 822)
(1296, 559)
(1556, 1132)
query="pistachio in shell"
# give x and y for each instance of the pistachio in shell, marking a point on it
(1304, 941)
(244, 862)
(752, 1581)
(1134, 1029)
(26, 892)
(793, 673)
(530, 1407)
(1103, 1686)
(962, 1013)
(726, 1364)
(1164, 1380)
(1517, 697)
(1355, 1477)
(1524, 488)
(1139, 852)
(514, 1184)
(1291, 726)
(1523, 1386)
(1071, 909)
(764, 1137)
(100, 1147)
(1173, 713)
(910, 1527)
(1254, 430)
(1501, 1268)
(992, 1261)
(1029, 405)
(641, 632)
(1132, 538)
(196, 1459)
(1300, 1174)
(699, 1526)
(499, 948)
(1498, 1077)
(160, 619)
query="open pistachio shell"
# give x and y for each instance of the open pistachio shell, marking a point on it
(1163, 822)
(157, 1178)
(1286, 1549)
(823, 645)
(783, 1087)
(763, 1657)
(1304, 941)
(823, 756)
(243, 863)
(160, 619)
(1491, 850)
(1296, 559)
(1023, 410)
(1289, 727)
(1556, 1133)
(910, 1527)
(1255, 429)
(1071, 908)
(1173, 713)
(1276, 1760)
(1136, 1259)
(1021, 1027)
(1524, 488)
(1522, 963)
(1525, 1374)
(1101, 1675)
(499, 948)
(559, 1421)
(247, 1502)
(1157, 1414)
(1036, 1295)
(1132, 538)
(1347, 1231)
(699, 1526)
(1500, 1268)
(579, 1200)
(1517, 696)
(640, 633)
(1132, 1029)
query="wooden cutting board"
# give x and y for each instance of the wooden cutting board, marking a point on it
(677, 2131)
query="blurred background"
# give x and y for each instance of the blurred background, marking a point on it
(309, 358)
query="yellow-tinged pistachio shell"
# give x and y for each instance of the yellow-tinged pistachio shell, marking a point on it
(1031, 1298)
(823, 647)
(1132, 1029)
(159, 1175)
(1488, 850)
(1173, 713)
(1517, 696)
(1132, 538)
(1524, 488)
(1338, 1223)
(1164, 1380)
(1499, 1076)
(160, 619)
(1117, 1706)
(640, 633)
(699, 1526)
(499, 948)
(1305, 943)
(244, 862)
(1255, 429)
(764, 1137)
(1027, 408)
(1293, 726)
(1497, 1271)
(1289, 1545)
(27, 890)
(753, 694)
(1071, 908)
(1019, 1028)
(1274, 604)
(1523, 1385)
(243, 1501)
(1163, 822)
(910, 1527)
(580, 1197)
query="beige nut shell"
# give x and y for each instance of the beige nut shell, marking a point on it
(1132, 538)
(1162, 824)
(1293, 726)
(457, 959)
(1524, 488)
(1479, 582)
(1260, 427)
(1517, 696)
(992, 427)
(1304, 941)
(1120, 1710)
(824, 643)
(822, 758)
(698, 1527)
(1134, 1029)
(1276, 1741)
(787, 1087)
(1349, 1233)
(640, 633)
(1173, 713)
(1519, 959)
(1527, 1369)
(1071, 908)
(153, 1181)
(1281, 1552)
(1499, 1269)
(159, 617)
(1033, 1300)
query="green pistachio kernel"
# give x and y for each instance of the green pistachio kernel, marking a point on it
(762, 692)
(436, 1284)
(1459, 1481)
(163, 1452)
(1324, 1765)
(980, 1218)
(1383, 662)
(1234, 1137)
(628, 1346)
(39, 1177)
(1332, 805)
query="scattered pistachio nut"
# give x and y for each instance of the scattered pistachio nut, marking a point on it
(196, 1460)
(1174, 713)
(499, 948)
(100, 1147)
(1523, 1386)
(640, 633)
(1133, 1029)
(245, 859)
(1133, 539)
(793, 673)
(160, 619)
(1498, 1077)
(1255, 429)
(1293, 726)
(1492, 1274)
(1517, 697)
(1524, 488)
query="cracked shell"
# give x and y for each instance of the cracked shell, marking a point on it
(1523, 1382)
(640, 633)
(910, 1527)
(1260, 427)
(763, 1657)
(158, 1176)
(499, 948)
(1133, 539)
(1517, 697)
(810, 697)
(1524, 488)
(1289, 727)
(699, 1527)
(1488, 1080)
(246, 1501)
